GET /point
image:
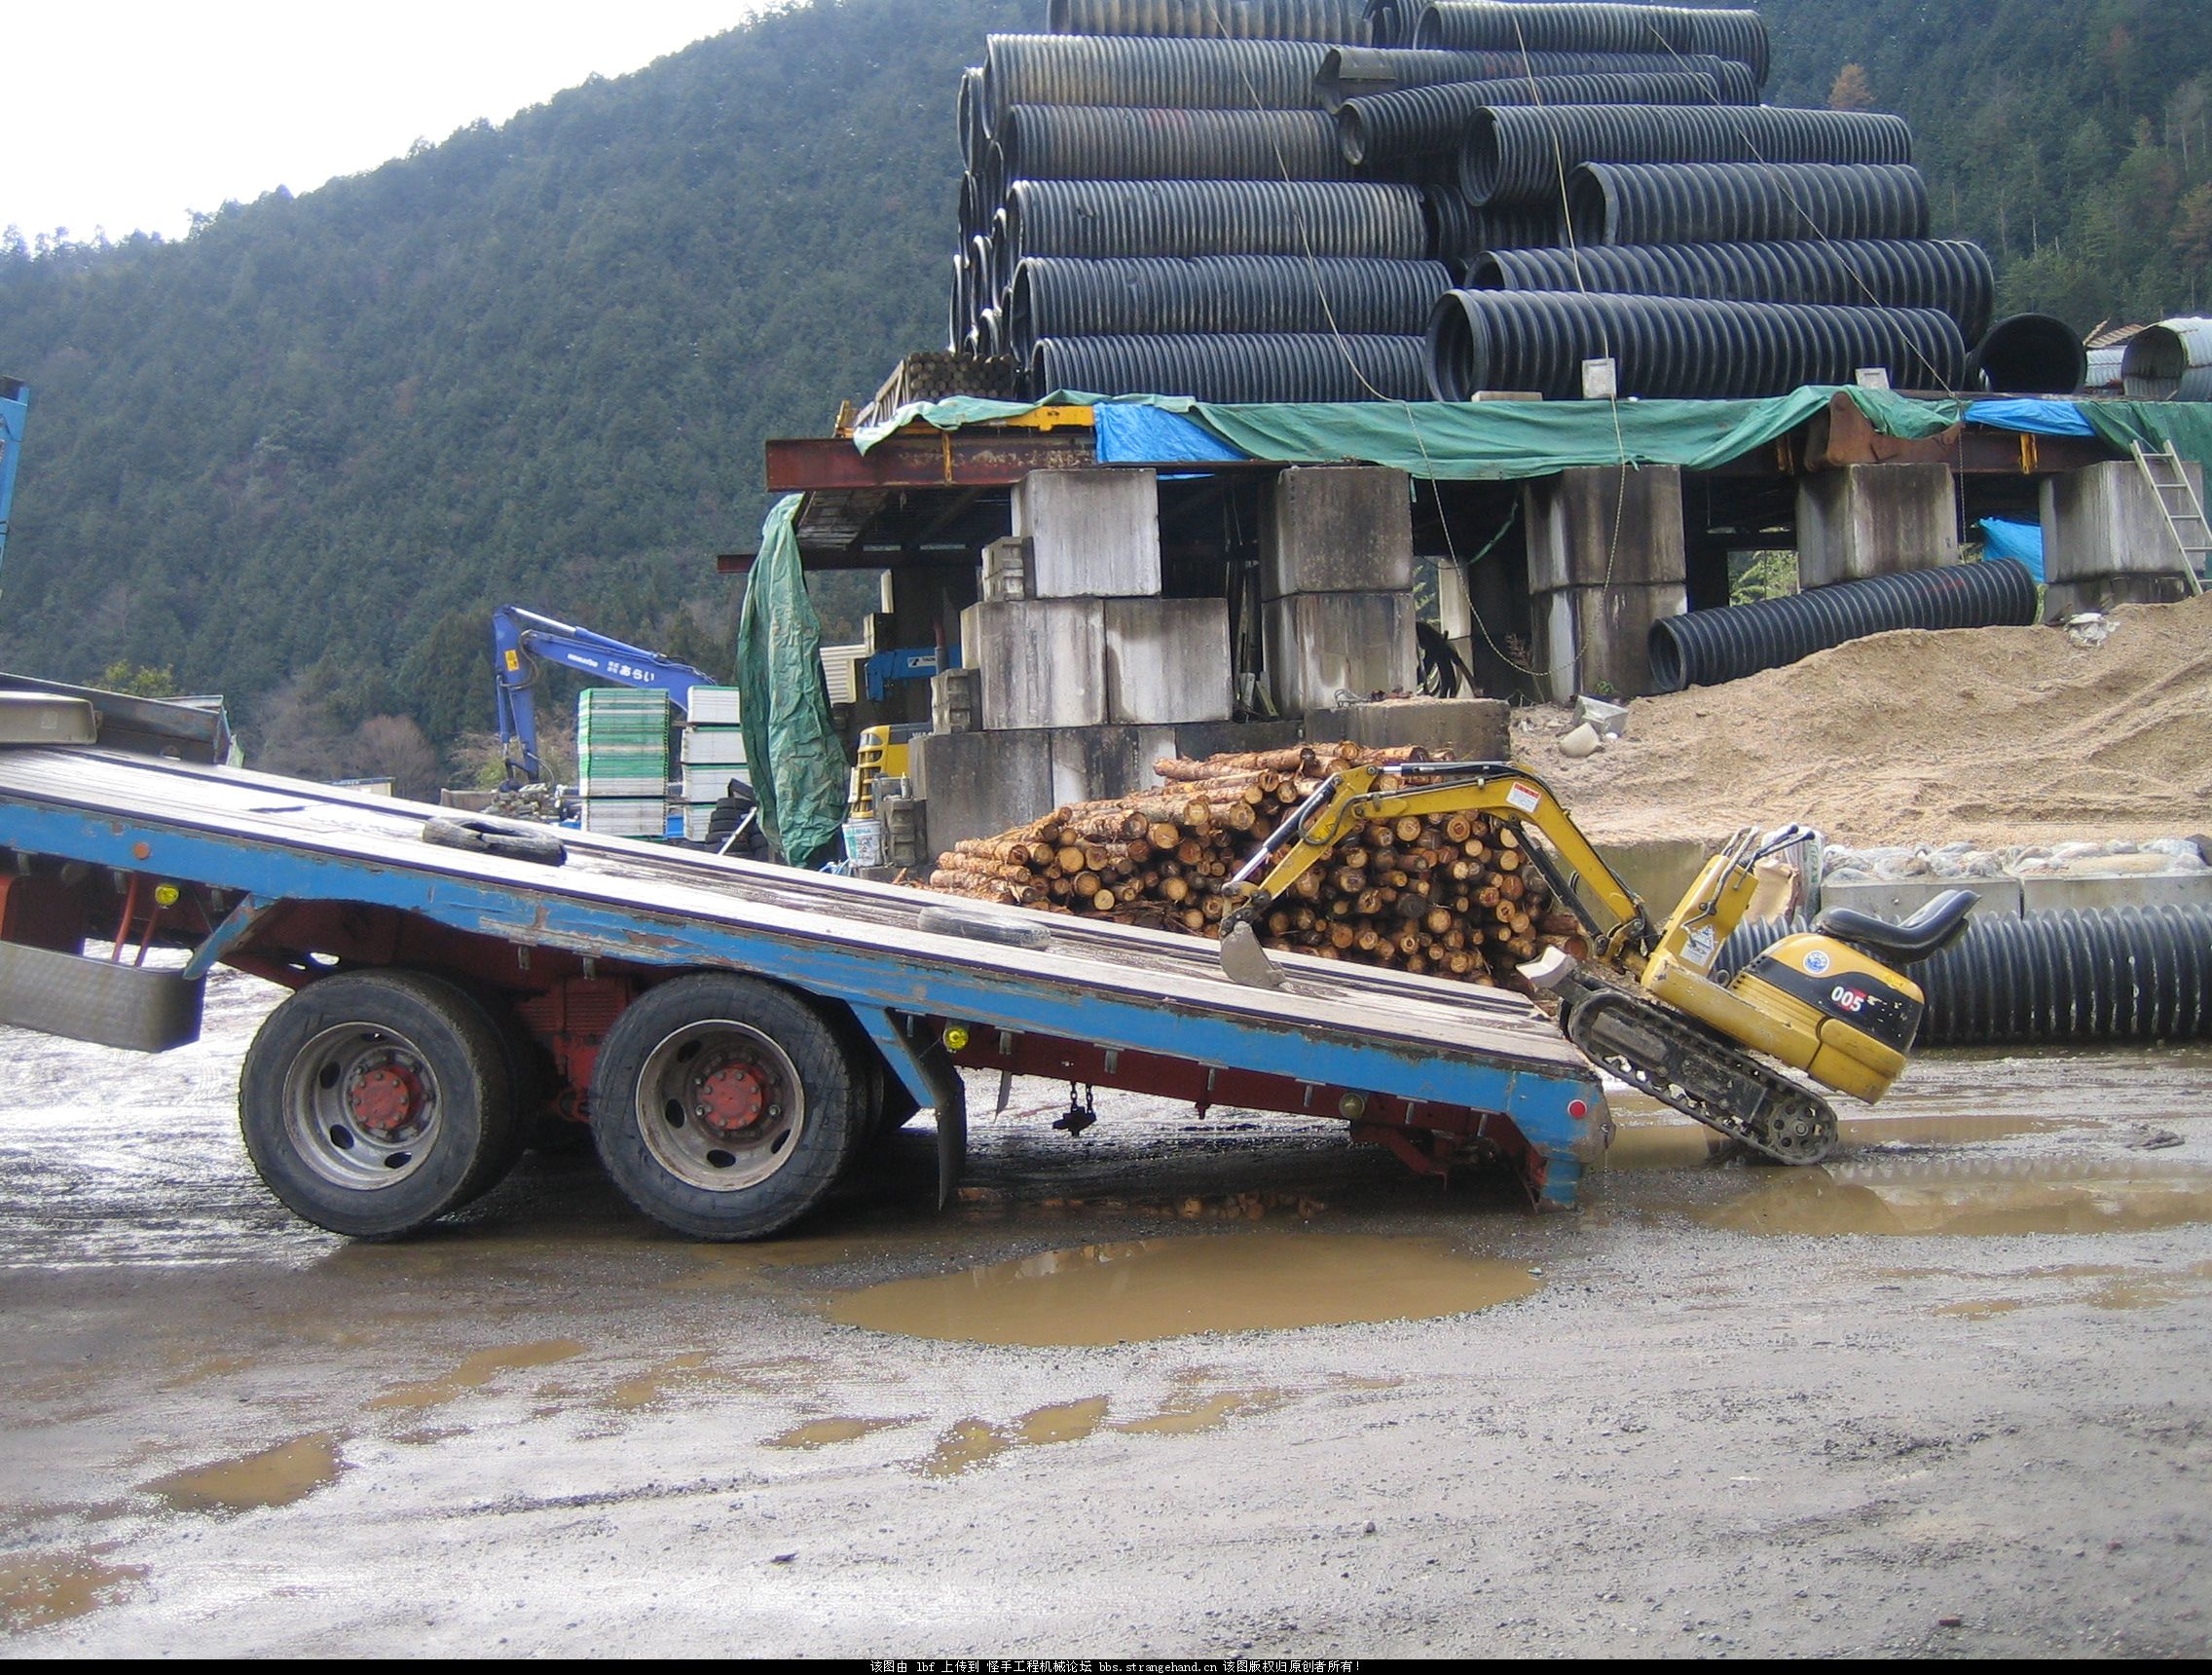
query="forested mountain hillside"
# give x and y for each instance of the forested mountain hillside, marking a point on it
(2071, 138)
(297, 455)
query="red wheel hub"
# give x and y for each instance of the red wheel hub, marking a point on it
(733, 1095)
(386, 1100)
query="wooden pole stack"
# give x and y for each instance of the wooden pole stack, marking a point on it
(1450, 895)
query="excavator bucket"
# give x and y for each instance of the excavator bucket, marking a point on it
(1243, 960)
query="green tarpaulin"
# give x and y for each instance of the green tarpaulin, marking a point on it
(798, 767)
(1507, 440)
(1495, 440)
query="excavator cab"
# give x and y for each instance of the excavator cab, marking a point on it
(1833, 1002)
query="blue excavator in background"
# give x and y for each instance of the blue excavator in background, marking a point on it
(14, 407)
(521, 638)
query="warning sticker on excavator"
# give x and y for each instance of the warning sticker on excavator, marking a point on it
(1526, 798)
(1699, 951)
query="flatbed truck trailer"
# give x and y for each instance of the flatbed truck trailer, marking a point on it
(735, 1035)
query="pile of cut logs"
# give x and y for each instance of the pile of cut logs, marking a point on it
(1452, 895)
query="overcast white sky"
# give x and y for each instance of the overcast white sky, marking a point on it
(126, 114)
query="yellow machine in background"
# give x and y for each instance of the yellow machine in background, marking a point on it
(884, 753)
(1647, 1005)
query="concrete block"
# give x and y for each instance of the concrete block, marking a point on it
(1092, 764)
(2064, 599)
(956, 701)
(1660, 870)
(1322, 644)
(1338, 528)
(1199, 740)
(1863, 521)
(1606, 527)
(2104, 520)
(1007, 567)
(1459, 729)
(906, 832)
(2080, 895)
(1167, 660)
(1595, 640)
(980, 784)
(1898, 900)
(1092, 534)
(1042, 665)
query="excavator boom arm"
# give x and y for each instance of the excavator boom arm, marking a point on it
(1358, 796)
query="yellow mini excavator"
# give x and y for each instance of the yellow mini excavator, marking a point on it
(1646, 1005)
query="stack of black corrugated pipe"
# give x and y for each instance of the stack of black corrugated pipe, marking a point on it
(1273, 200)
(2132, 975)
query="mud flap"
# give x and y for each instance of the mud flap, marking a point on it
(101, 1001)
(931, 1077)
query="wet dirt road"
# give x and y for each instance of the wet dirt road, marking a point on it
(1945, 1395)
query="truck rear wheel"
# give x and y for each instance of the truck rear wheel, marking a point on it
(724, 1107)
(373, 1102)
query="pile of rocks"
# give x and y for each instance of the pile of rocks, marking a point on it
(540, 803)
(1966, 862)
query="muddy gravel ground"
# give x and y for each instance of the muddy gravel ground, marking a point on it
(1944, 1395)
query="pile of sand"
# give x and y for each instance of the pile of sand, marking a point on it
(1994, 735)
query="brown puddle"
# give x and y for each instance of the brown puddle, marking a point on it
(1993, 1307)
(477, 1371)
(829, 1432)
(1191, 1415)
(41, 1588)
(972, 1442)
(1663, 1142)
(2121, 1290)
(275, 1477)
(1993, 1197)
(653, 1386)
(1153, 1288)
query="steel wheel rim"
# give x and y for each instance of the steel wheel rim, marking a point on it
(362, 1107)
(721, 1105)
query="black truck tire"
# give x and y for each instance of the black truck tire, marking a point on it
(505, 838)
(373, 1102)
(726, 1107)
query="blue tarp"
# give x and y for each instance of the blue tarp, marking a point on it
(2036, 417)
(1142, 436)
(2006, 539)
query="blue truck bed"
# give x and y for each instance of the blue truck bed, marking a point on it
(291, 879)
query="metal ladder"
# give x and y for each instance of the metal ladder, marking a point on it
(2178, 504)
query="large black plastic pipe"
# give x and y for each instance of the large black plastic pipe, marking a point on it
(1519, 154)
(1349, 72)
(1951, 275)
(1066, 296)
(1154, 74)
(970, 115)
(1092, 142)
(2130, 975)
(1678, 347)
(1707, 647)
(1233, 368)
(1213, 218)
(2030, 355)
(1489, 27)
(1415, 121)
(1458, 234)
(1212, 19)
(1743, 203)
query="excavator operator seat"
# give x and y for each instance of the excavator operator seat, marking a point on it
(1924, 936)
